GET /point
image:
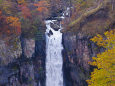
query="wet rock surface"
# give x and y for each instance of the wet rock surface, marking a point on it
(50, 33)
(55, 25)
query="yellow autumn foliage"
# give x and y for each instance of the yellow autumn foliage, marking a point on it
(109, 41)
(104, 74)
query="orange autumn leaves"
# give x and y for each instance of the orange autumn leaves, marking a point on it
(21, 1)
(42, 6)
(14, 22)
(9, 25)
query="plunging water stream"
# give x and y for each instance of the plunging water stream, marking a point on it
(54, 62)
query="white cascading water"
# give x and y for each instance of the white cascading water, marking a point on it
(54, 60)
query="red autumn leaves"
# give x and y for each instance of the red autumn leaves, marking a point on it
(10, 24)
(42, 7)
(25, 11)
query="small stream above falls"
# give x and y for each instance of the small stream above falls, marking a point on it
(54, 60)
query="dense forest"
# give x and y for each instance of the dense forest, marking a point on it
(80, 34)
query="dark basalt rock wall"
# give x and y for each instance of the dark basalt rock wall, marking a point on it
(27, 68)
(39, 61)
(17, 73)
(78, 51)
(25, 71)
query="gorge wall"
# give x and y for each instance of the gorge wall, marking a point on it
(77, 52)
(25, 66)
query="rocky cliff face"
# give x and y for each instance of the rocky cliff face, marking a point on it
(8, 52)
(78, 51)
(29, 47)
(28, 68)
(23, 65)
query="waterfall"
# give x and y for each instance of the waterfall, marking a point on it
(54, 60)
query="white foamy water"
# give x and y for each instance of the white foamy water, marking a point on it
(54, 61)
